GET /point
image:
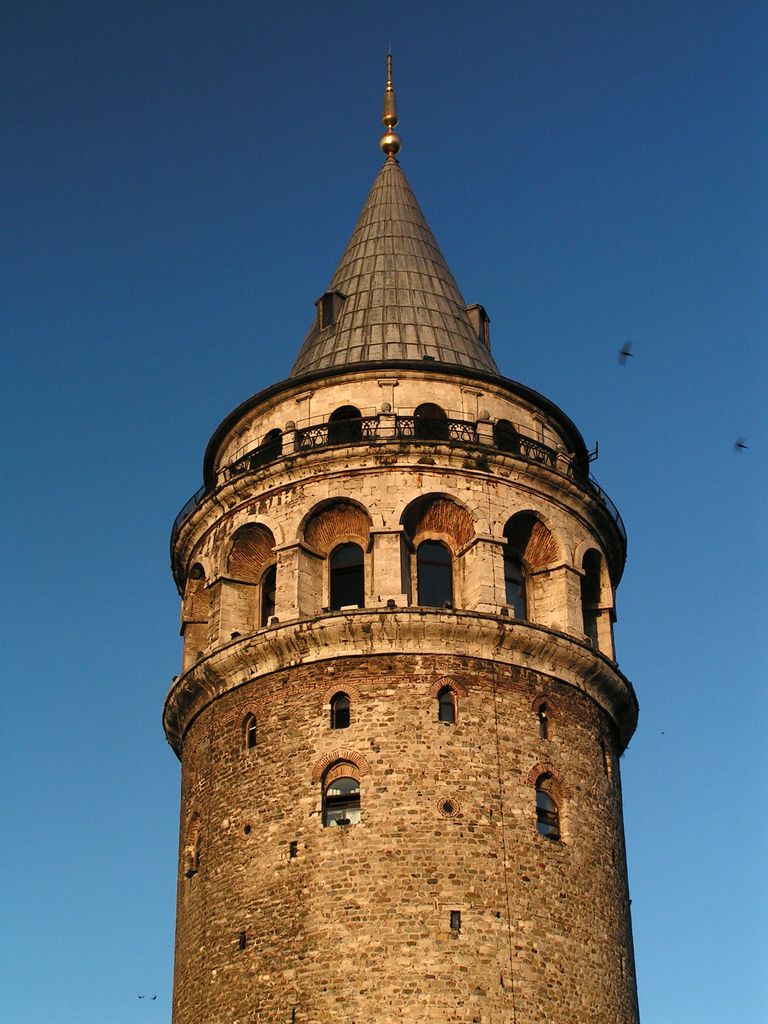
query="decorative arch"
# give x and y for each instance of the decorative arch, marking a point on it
(443, 681)
(533, 542)
(335, 521)
(341, 686)
(441, 515)
(545, 768)
(345, 759)
(543, 698)
(252, 549)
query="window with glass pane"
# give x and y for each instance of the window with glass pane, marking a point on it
(268, 585)
(340, 711)
(249, 732)
(547, 815)
(342, 802)
(347, 578)
(514, 584)
(434, 577)
(446, 705)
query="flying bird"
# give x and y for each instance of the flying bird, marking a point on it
(625, 353)
(739, 443)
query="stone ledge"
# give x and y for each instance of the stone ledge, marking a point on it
(415, 631)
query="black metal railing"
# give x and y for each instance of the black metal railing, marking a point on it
(412, 428)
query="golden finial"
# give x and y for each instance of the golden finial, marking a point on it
(389, 141)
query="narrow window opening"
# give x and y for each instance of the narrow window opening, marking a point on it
(455, 920)
(434, 574)
(514, 584)
(293, 849)
(347, 583)
(268, 590)
(590, 595)
(547, 813)
(446, 705)
(249, 732)
(342, 802)
(340, 711)
(242, 941)
(543, 721)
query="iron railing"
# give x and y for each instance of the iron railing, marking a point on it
(366, 429)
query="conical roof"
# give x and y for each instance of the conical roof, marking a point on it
(400, 302)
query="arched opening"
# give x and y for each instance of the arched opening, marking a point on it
(505, 437)
(192, 846)
(446, 706)
(434, 574)
(341, 798)
(547, 811)
(272, 445)
(345, 425)
(590, 594)
(249, 731)
(340, 711)
(430, 422)
(347, 576)
(514, 583)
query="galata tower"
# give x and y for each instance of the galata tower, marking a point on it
(399, 716)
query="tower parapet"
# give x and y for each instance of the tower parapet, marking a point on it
(400, 714)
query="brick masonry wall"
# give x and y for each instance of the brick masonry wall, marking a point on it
(355, 929)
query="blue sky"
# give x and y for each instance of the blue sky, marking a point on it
(178, 182)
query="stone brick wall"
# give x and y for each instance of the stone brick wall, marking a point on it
(357, 925)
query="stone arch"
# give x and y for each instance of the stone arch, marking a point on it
(439, 515)
(442, 681)
(345, 757)
(545, 768)
(334, 521)
(342, 686)
(532, 540)
(251, 551)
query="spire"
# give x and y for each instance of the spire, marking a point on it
(393, 297)
(389, 142)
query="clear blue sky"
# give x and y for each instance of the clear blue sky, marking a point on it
(178, 182)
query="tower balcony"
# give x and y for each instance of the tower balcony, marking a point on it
(480, 437)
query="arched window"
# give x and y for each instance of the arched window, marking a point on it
(446, 705)
(505, 437)
(543, 716)
(341, 801)
(249, 732)
(547, 813)
(514, 583)
(430, 423)
(347, 582)
(434, 574)
(345, 425)
(268, 587)
(340, 711)
(272, 445)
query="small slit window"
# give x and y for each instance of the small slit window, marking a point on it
(446, 706)
(543, 719)
(341, 802)
(347, 583)
(340, 711)
(268, 590)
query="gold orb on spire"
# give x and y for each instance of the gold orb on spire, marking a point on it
(389, 141)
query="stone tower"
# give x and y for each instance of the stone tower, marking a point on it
(400, 716)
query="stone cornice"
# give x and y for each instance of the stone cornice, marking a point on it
(415, 631)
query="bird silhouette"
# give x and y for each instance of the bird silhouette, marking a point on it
(740, 443)
(625, 353)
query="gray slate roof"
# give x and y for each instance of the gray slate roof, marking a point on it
(402, 302)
